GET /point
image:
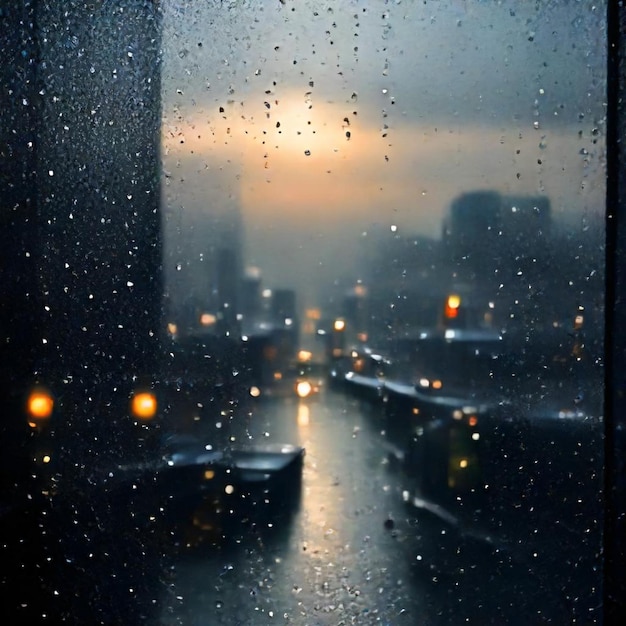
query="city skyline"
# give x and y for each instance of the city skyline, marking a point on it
(315, 124)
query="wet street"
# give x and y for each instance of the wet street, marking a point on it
(350, 552)
(343, 558)
(341, 547)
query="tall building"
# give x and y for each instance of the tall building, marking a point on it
(250, 295)
(284, 305)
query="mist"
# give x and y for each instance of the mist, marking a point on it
(305, 126)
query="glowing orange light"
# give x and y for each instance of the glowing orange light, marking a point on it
(339, 325)
(473, 420)
(40, 405)
(453, 303)
(144, 405)
(303, 388)
(305, 355)
(208, 319)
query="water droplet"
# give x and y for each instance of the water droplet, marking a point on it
(307, 152)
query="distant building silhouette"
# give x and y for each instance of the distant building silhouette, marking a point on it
(486, 234)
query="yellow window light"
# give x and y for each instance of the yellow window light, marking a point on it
(454, 301)
(339, 325)
(304, 356)
(143, 405)
(313, 314)
(40, 405)
(208, 319)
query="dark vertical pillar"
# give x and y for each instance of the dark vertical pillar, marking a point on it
(20, 302)
(98, 186)
(80, 303)
(80, 260)
(615, 346)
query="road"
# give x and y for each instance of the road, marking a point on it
(337, 560)
(347, 550)
(351, 553)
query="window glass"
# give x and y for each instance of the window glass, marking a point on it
(412, 194)
(303, 311)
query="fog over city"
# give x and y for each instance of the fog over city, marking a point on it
(304, 127)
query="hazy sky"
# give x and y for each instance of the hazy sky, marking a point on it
(315, 120)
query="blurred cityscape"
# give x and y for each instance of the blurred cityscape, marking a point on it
(508, 263)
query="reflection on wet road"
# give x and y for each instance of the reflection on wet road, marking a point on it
(350, 553)
(341, 559)
(339, 548)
